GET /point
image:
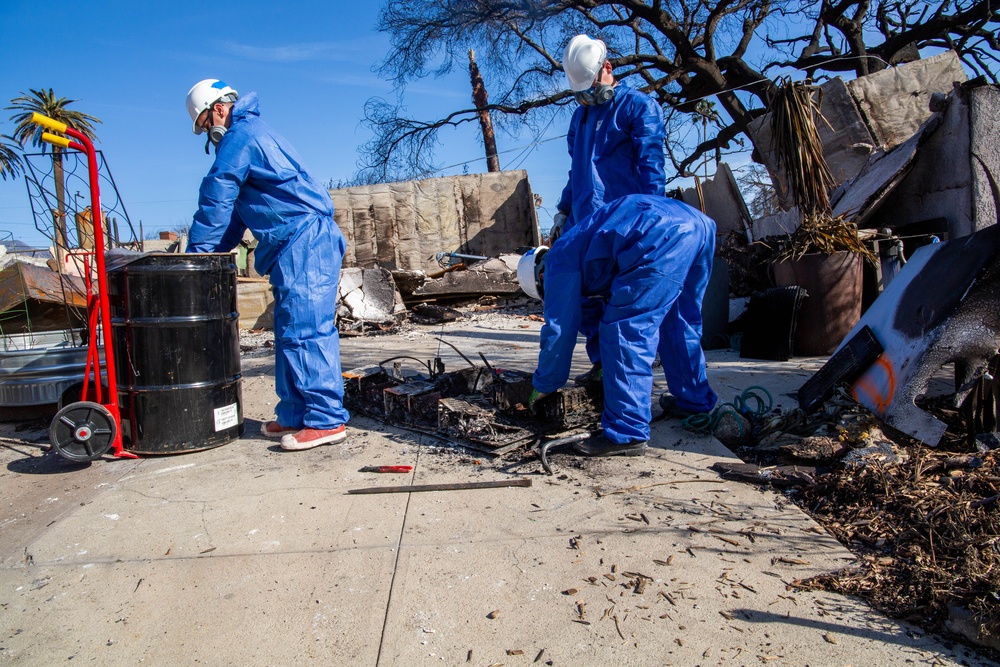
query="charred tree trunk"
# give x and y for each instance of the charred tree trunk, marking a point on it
(481, 100)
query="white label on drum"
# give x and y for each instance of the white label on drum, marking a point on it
(226, 417)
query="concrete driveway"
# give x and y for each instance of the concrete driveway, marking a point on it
(246, 555)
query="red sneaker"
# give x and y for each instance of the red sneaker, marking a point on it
(308, 438)
(275, 430)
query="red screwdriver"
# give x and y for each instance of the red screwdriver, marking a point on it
(386, 469)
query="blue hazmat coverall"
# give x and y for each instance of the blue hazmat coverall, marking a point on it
(651, 257)
(258, 183)
(617, 149)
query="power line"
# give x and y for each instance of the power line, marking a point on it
(535, 144)
(509, 150)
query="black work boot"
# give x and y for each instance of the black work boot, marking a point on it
(598, 445)
(670, 409)
(595, 374)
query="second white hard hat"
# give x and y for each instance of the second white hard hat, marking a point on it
(204, 94)
(529, 269)
(582, 61)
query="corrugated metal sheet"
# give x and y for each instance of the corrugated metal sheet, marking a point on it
(20, 281)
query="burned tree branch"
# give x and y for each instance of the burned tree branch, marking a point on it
(680, 53)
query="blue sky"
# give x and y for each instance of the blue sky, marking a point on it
(131, 64)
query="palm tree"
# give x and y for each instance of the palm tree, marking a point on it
(46, 103)
(10, 157)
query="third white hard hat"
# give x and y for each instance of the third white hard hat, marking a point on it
(582, 61)
(204, 94)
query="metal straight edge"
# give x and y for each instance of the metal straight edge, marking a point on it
(460, 486)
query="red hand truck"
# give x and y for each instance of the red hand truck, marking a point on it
(86, 430)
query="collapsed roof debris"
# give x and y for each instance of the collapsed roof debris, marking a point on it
(496, 276)
(367, 298)
(34, 298)
(943, 307)
(868, 115)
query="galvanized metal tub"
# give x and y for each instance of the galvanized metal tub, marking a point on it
(35, 369)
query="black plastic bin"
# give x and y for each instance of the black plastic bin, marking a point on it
(175, 330)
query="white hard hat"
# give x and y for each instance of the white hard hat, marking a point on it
(528, 269)
(582, 61)
(203, 95)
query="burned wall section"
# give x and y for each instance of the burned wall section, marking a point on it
(950, 179)
(984, 119)
(938, 184)
(402, 226)
(721, 200)
(868, 115)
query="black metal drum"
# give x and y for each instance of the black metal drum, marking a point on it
(175, 330)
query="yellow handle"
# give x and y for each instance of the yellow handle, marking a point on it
(55, 139)
(48, 123)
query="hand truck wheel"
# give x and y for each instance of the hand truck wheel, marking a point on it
(83, 431)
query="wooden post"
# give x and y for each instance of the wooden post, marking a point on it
(481, 100)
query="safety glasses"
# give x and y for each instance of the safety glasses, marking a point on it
(205, 119)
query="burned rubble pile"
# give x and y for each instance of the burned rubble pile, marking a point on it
(479, 407)
(923, 521)
(926, 532)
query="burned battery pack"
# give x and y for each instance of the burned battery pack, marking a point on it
(573, 406)
(479, 422)
(363, 389)
(411, 403)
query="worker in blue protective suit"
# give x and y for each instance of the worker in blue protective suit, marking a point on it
(650, 258)
(257, 182)
(616, 144)
(616, 137)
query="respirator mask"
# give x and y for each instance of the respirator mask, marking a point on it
(595, 95)
(215, 134)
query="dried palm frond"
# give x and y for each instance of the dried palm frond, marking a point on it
(799, 153)
(798, 148)
(826, 234)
